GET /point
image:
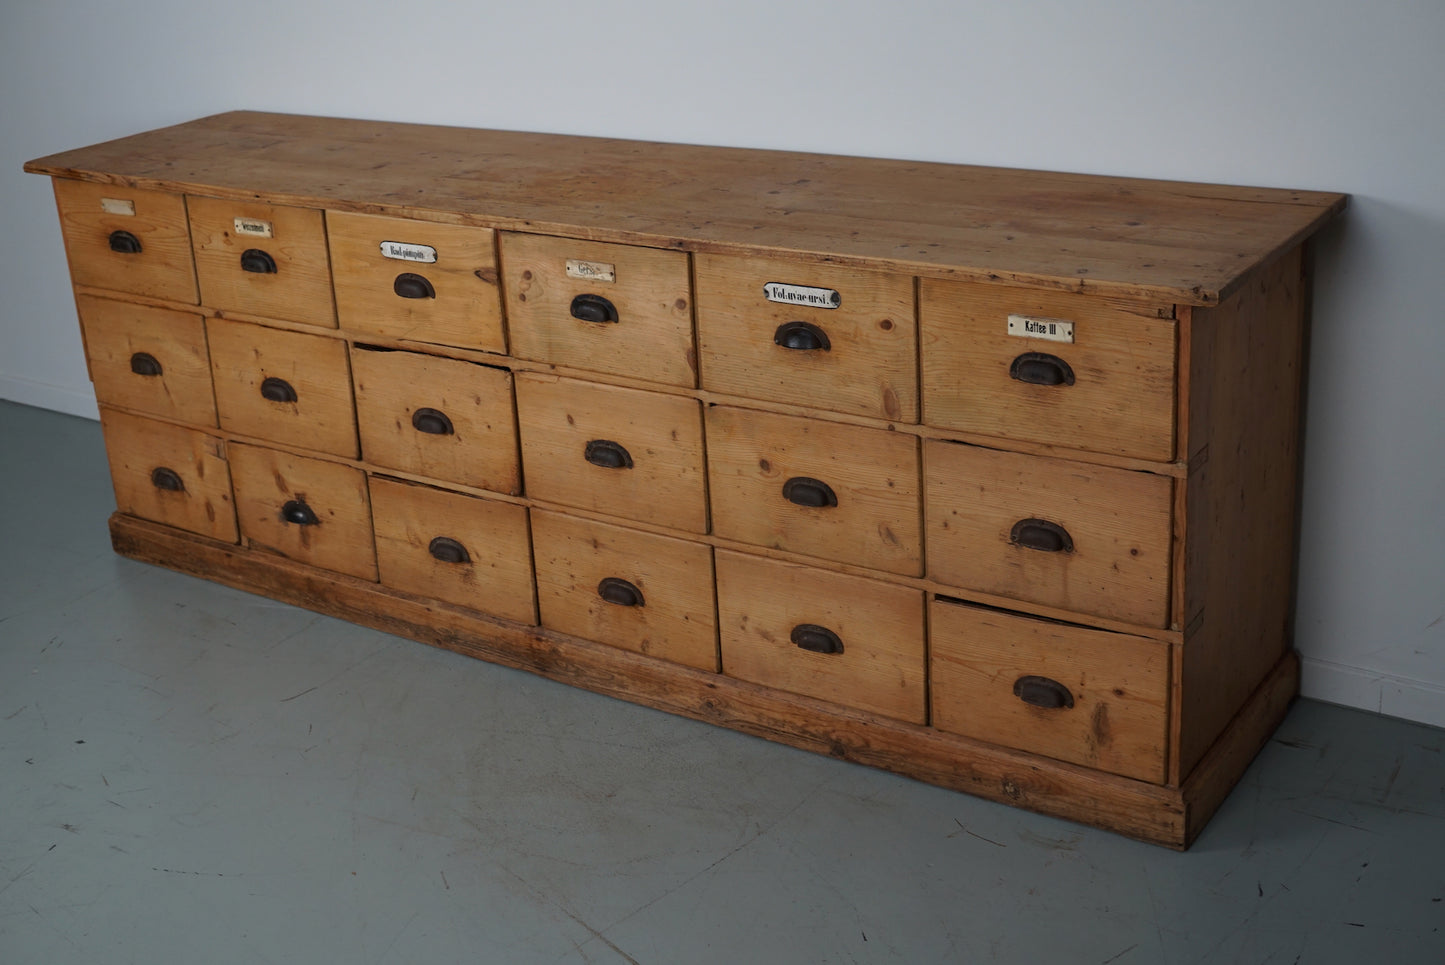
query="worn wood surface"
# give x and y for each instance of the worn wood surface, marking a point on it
(161, 269)
(1180, 242)
(137, 447)
(116, 331)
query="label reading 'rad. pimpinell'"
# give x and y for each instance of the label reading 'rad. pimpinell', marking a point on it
(776, 291)
(1049, 329)
(402, 251)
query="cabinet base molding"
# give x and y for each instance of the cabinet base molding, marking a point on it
(1168, 816)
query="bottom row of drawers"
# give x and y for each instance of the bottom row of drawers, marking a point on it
(1078, 694)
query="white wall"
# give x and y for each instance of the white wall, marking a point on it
(1327, 94)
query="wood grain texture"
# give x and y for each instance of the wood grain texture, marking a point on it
(137, 448)
(1119, 687)
(161, 269)
(1118, 523)
(881, 666)
(116, 332)
(465, 308)
(1122, 359)
(481, 448)
(676, 619)
(870, 367)
(651, 292)
(873, 474)
(495, 577)
(1172, 241)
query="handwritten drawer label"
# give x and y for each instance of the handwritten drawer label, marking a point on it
(118, 206)
(591, 270)
(776, 291)
(253, 228)
(402, 251)
(1049, 329)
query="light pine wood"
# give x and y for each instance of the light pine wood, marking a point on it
(873, 473)
(870, 367)
(243, 356)
(662, 434)
(1118, 521)
(496, 576)
(466, 310)
(480, 451)
(138, 447)
(1122, 357)
(881, 667)
(341, 539)
(300, 288)
(161, 269)
(676, 618)
(116, 331)
(651, 292)
(1119, 686)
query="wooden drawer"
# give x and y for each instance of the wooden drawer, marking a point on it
(169, 474)
(600, 307)
(306, 509)
(262, 259)
(1085, 696)
(1067, 534)
(127, 240)
(416, 280)
(865, 359)
(472, 552)
(150, 359)
(775, 622)
(1110, 390)
(283, 386)
(622, 452)
(840, 492)
(638, 591)
(437, 417)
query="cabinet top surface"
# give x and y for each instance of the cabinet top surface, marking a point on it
(1167, 241)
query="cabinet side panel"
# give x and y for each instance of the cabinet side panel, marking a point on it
(1241, 495)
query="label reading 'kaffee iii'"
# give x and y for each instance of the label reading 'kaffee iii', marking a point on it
(1049, 329)
(776, 291)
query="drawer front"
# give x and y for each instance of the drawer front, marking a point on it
(857, 357)
(638, 591)
(262, 259)
(778, 621)
(127, 240)
(472, 552)
(283, 386)
(1085, 696)
(437, 417)
(170, 474)
(308, 510)
(1110, 390)
(150, 359)
(1066, 534)
(840, 492)
(622, 452)
(600, 307)
(416, 280)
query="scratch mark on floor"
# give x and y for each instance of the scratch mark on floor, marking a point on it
(17, 713)
(1120, 955)
(302, 694)
(549, 900)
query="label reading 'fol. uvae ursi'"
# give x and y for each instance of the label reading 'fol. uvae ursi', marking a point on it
(1050, 329)
(253, 228)
(402, 251)
(776, 291)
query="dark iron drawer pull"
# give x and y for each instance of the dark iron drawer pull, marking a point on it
(1043, 692)
(802, 337)
(1039, 368)
(607, 454)
(277, 390)
(809, 492)
(448, 550)
(409, 285)
(593, 308)
(257, 262)
(296, 511)
(616, 590)
(432, 422)
(1040, 534)
(124, 242)
(144, 363)
(810, 636)
(167, 479)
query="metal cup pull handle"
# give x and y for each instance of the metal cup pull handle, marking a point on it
(802, 337)
(618, 591)
(1043, 692)
(257, 262)
(1042, 535)
(811, 637)
(593, 308)
(1040, 368)
(125, 243)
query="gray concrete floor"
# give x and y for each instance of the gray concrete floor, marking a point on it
(193, 774)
